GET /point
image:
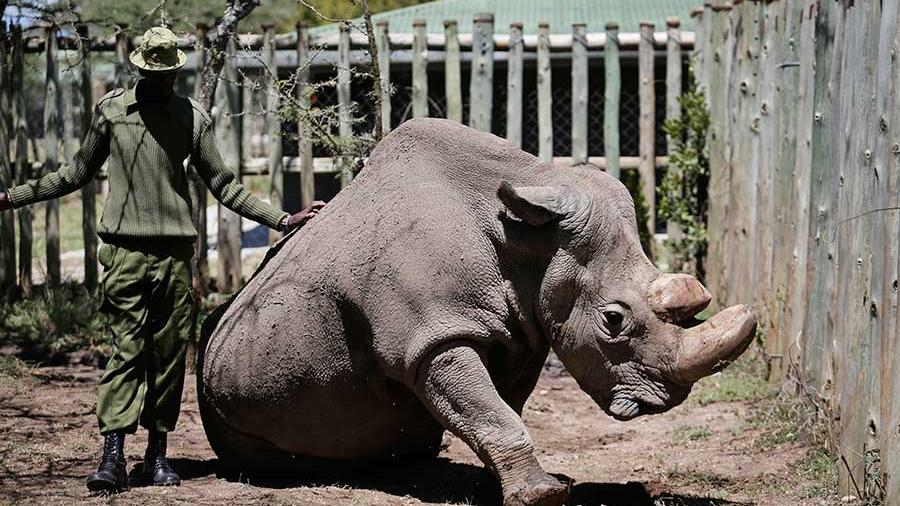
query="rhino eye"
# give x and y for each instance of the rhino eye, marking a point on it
(615, 318)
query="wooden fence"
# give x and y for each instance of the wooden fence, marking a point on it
(339, 52)
(804, 223)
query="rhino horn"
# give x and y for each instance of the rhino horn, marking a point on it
(676, 297)
(715, 343)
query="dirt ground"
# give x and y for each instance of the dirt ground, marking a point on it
(693, 455)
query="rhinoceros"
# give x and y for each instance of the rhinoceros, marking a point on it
(426, 297)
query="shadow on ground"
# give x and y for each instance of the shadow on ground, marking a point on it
(442, 481)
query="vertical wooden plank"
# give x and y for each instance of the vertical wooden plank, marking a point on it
(7, 218)
(856, 165)
(612, 94)
(673, 91)
(273, 125)
(717, 59)
(699, 42)
(22, 169)
(514, 82)
(123, 66)
(304, 149)
(452, 73)
(53, 135)
(545, 95)
(419, 70)
(197, 189)
(579, 93)
(88, 191)
(708, 57)
(383, 46)
(481, 84)
(877, 196)
(345, 128)
(890, 323)
(228, 140)
(802, 184)
(647, 120)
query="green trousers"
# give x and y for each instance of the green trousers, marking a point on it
(147, 301)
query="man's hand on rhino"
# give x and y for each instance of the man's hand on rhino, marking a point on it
(300, 219)
(5, 204)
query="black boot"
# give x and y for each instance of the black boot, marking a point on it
(156, 467)
(110, 476)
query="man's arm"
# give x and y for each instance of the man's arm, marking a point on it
(70, 177)
(232, 194)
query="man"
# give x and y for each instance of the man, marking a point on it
(146, 133)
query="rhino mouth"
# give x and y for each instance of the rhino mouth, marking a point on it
(626, 406)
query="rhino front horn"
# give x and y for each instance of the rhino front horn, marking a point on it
(715, 343)
(676, 297)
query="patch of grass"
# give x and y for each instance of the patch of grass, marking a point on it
(708, 483)
(744, 380)
(57, 321)
(688, 434)
(13, 374)
(786, 419)
(819, 471)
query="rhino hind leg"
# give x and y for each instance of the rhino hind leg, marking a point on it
(457, 388)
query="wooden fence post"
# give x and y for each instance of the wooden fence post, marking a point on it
(7, 218)
(612, 92)
(647, 143)
(53, 135)
(123, 72)
(197, 188)
(452, 74)
(545, 95)
(304, 148)
(383, 46)
(673, 93)
(579, 93)
(273, 125)
(514, 79)
(88, 191)
(345, 128)
(23, 169)
(228, 140)
(481, 85)
(420, 70)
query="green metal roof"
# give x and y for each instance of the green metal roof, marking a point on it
(560, 14)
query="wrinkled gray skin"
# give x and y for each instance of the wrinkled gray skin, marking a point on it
(427, 295)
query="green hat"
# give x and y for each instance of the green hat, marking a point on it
(158, 51)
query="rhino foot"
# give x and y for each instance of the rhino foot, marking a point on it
(540, 490)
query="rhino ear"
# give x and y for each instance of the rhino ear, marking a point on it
(538, 205)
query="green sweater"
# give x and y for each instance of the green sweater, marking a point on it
(146, 141)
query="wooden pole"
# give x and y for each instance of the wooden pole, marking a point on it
(612, 95)
(53, 135)
(579, 94)
(647, 143)
(452, 74)
(545, 95)
(123, 69)
(481, 84)
(89, 190)
(23, 169)
(273, 125)
(673, 92)
(228, 140)
(514, 79)
(307, 176)
(7, 218)
(419, 70)
(383, 43)
(197, 189)
(345, 128)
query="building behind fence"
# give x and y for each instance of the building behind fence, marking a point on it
(804, 219)
(595, 96)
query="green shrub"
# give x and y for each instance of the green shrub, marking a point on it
(57, 321)
(683, 191)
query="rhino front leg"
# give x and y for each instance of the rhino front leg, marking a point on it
(456, 387)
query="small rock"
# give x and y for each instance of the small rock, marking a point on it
(848, 499)
(543, 392)
(637, 468)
